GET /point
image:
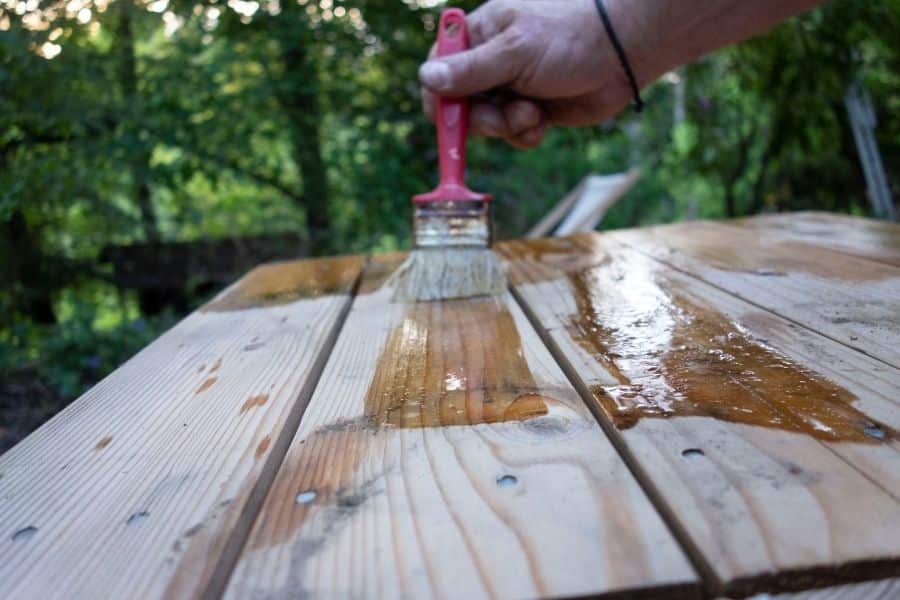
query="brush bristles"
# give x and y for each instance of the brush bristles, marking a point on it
(447, 273)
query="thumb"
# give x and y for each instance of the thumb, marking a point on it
(495, 63)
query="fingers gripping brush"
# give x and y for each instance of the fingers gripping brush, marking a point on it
(452, 224)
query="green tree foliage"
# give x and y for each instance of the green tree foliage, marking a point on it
(127, 121)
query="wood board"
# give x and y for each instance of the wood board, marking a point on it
(851, 300)
(141, 486)
(884, 589)
(472, 465)
(865, 238)
(717, 423)
(444, 454)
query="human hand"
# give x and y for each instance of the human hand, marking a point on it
(532, 64)
(537, 63)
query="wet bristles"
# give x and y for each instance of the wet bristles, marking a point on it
(447, 273)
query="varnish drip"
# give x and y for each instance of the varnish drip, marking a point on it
(673, 357)
(286, 282)
(454, 363)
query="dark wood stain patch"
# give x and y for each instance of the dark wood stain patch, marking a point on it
(253, 402)
(263, 446)
(207, 383)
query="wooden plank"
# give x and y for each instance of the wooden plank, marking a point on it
(749, 431)
(444, 454)
(599, 194)
(866, 238)
(139, 488)
(885, 589)
(584, 206)
(848, 299)
(552, 218)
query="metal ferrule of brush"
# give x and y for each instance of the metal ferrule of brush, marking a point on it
(465, 223)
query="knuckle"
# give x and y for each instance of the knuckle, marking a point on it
(514, 41)
(506, 11)
(469, 66)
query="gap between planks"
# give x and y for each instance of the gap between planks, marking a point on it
(691, 550)
(241, 530)
(266, 564)
(772, 311)
(176, 473)
(713, 584)
(848, 347)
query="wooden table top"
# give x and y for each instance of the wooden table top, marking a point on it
(698, 409)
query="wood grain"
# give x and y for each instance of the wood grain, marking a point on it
(708, 397)
(444, 454)
(848, 299)
(139, 488)
(865, 238)
(732, 387)
(885, 589)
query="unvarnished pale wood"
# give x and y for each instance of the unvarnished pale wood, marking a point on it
(141, 487)
(757, 495)
(854, 301)
(866, 238)
(444, 454)
(885, 589)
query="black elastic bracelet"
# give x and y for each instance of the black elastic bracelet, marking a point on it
(620, 51)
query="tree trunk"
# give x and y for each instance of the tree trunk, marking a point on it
(140, 153)
(24, 274)
(732, 181)
(297, 93)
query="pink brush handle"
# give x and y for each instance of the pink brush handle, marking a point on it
(452, 121)
(452, 113)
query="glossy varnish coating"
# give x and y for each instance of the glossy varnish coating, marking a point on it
(853, 300)
(444, 454)
(458, 362)
(673, 356)
(285, 282)
(774, 488)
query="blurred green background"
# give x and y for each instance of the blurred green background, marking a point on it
(151, 151)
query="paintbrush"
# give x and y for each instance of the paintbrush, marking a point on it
(452, 224)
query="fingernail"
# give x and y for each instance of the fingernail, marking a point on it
(435, 74)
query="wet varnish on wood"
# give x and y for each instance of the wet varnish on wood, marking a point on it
(749, 429)
(697, 409)
(444, 454)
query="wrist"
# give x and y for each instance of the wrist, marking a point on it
(630, 80)
(634, 24)
(660, 35)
